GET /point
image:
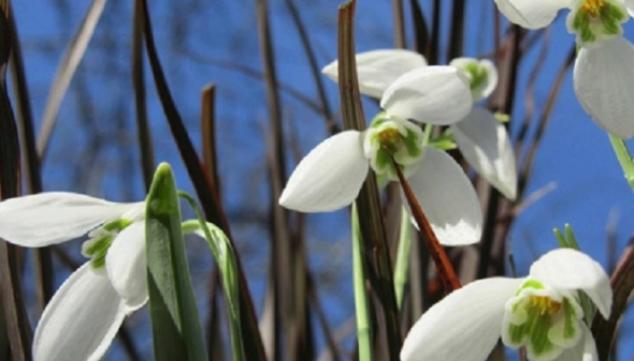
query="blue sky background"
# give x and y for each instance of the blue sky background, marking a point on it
(93, 148)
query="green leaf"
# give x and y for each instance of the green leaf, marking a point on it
(227, 262)
(177, 334)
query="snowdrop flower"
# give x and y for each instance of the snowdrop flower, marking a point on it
(603, 75)
(331, 175)
(86, 312)
(541, 312)
(484, 142)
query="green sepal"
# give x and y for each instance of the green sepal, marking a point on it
(445, 141)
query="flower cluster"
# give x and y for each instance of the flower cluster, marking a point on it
(603, 71)
(541, 312)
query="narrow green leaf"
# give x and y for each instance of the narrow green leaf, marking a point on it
(227, 262)
(625, 159)
(361, 302)
(177, 334)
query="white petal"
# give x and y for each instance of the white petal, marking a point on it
(377, 69)
(81, 319)
(125, 263)
(54, 217)
(492, 80)
(464, 326)
(434, 94)
(629, 4)
(604, 78)
(532, 14)
(585, 350)
(329, 177)
(568, 269)
(447, 198)
(485, 144)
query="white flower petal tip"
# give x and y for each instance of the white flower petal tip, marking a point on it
(629, 4)
(447, 198)
(485, 144)
(329, 177)
(568, 269)
(53, 217)
(438, 95)
(482, 74)
(81, 320)
(377, 69)
(603, 77)
(532, 14)
(464, 326)
(125, 264)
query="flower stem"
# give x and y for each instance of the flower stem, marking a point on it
(624, 158)
(364, 328)
(427, 133)
(437, 252)
(402, 258)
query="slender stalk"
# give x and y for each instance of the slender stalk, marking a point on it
(624, 157)
(144, 134)
(375, 244)
(16, 323)
(399, 24)
(401, 266)
(438, 254)
(362, 310)
(457, 30)
(331, 124)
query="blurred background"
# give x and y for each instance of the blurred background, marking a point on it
(93, 148)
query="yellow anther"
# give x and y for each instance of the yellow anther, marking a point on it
(389, 137)
(544, 305)
(592, 7)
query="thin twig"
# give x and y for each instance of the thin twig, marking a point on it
(138, 82)
(42, 256)
(399, 24)
(331, 125)
(65, 72)
(374, 238)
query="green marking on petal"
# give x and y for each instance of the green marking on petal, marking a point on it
(388, 139)
(570, 320)
(543, 320)
(478, 74)
(594, 20)
(96, 247)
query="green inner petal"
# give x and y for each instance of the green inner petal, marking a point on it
(596, 19)
(96, 248)
(479, 75)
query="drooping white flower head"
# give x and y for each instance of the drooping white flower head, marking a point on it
(331, 175)
(482, 140)
(541, 312)
(603, 73)
(482, 74)
(84, 315)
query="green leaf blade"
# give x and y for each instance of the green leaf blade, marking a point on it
(176, 327)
